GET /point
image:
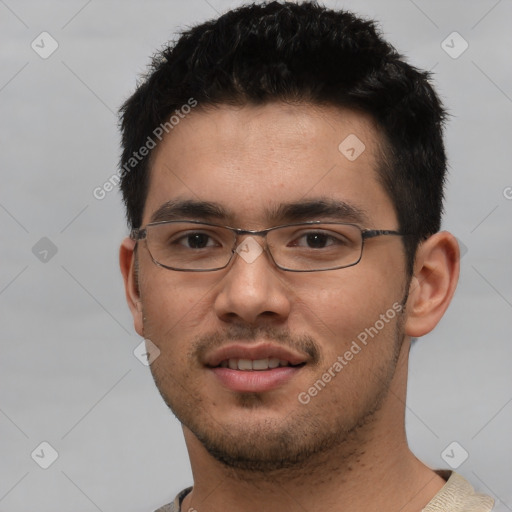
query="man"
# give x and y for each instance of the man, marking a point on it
(283, 173)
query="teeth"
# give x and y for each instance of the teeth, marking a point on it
(244, 364)
(257, 364)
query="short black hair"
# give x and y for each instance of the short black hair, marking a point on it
(296, 52)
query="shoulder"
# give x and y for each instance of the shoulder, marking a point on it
(175, 506)
(458, 495)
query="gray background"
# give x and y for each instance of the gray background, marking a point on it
(68, 375)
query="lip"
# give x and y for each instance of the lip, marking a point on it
(253, 352)
(255, 381)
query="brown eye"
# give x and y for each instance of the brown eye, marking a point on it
(196, 240)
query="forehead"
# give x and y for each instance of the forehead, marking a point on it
(252, 160)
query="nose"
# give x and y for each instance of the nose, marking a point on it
(252, 289)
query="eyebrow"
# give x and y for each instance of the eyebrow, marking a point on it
(299, 211)
(189, 209)
(319, 209)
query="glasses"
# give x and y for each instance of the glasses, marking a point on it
(194, 246)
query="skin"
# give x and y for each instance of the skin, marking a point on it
(346, 449)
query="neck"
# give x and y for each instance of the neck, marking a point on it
(373, 469)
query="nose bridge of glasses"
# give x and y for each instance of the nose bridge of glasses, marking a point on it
(247, 247)
(242, 235)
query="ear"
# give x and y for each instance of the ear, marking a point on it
(127, 257)
(436, 272)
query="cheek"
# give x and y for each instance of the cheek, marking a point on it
(340, 306)
(356, 330)
(168, 302)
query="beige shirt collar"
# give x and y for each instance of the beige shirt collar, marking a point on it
(457, 495)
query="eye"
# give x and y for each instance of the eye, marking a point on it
(196, 240)
(319, 240)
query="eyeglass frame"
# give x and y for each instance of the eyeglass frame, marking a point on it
(138, 234)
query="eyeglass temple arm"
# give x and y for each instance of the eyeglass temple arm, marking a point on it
(371, 233)
(138, 234)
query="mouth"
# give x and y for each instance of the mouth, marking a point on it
(268, 363)
(248, 368)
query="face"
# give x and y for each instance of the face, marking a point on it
(337, 333)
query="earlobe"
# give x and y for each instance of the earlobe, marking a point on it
(127, 262)
(436, 272)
